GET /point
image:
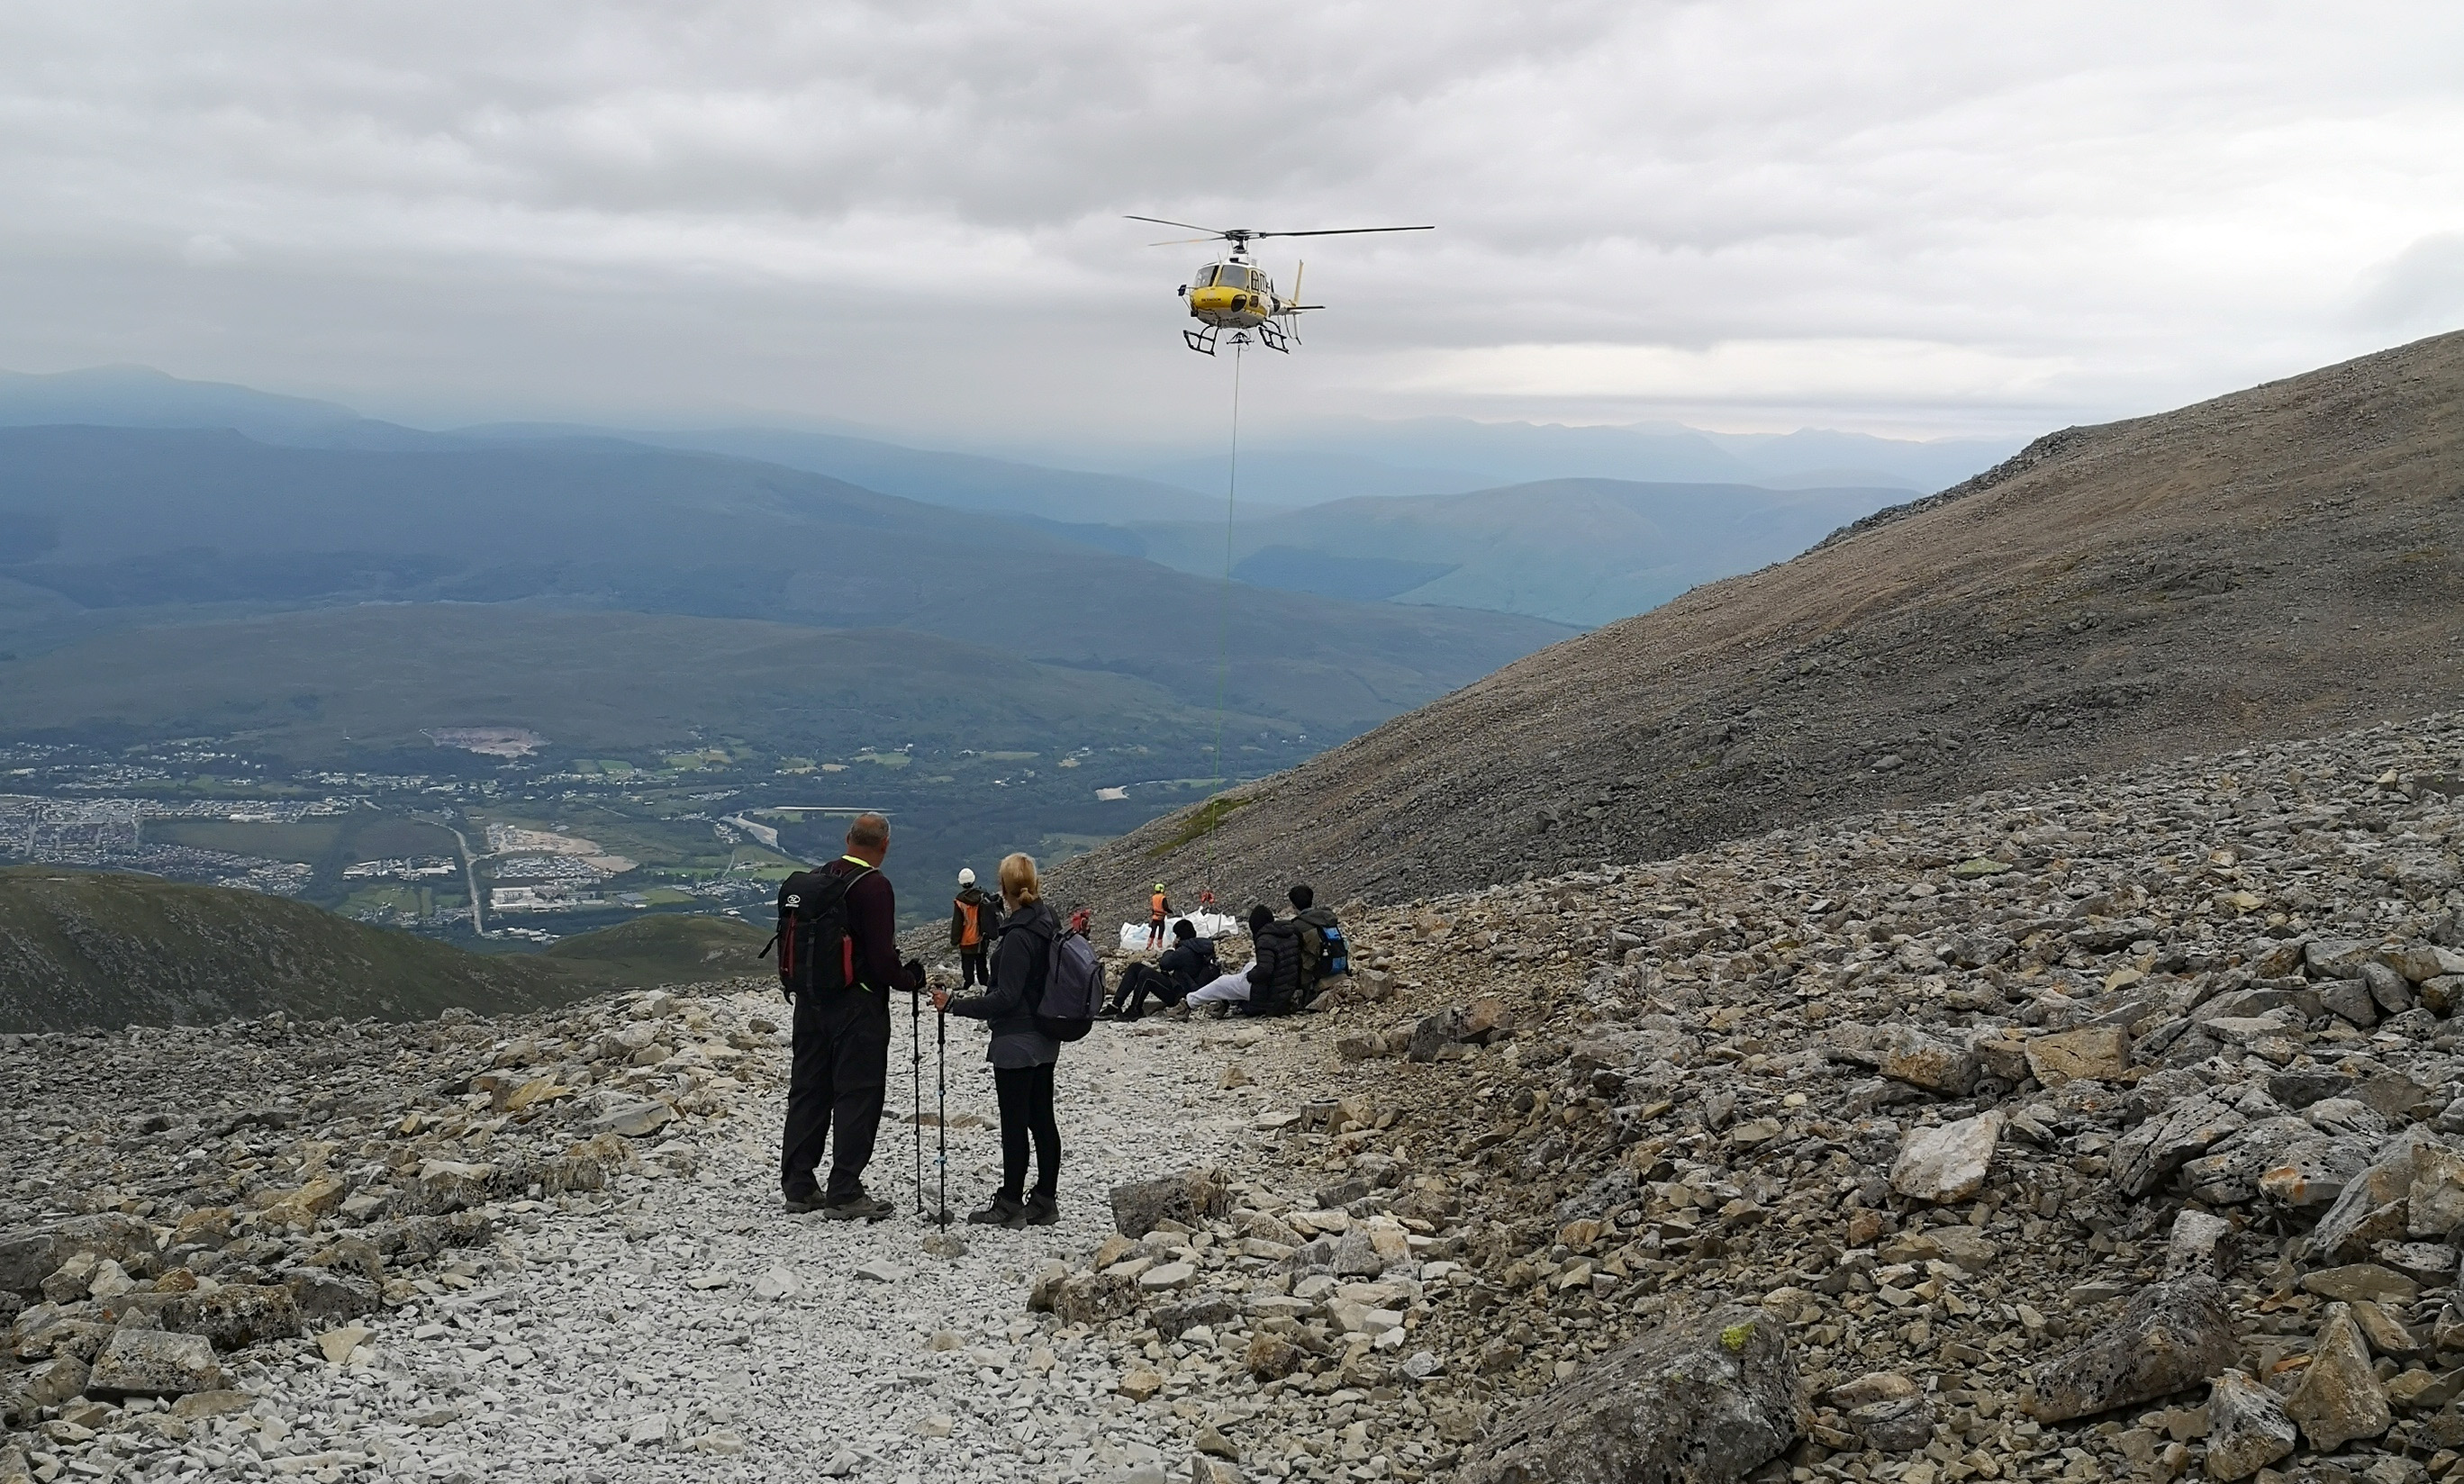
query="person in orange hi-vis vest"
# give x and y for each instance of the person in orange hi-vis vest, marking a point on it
(1158, 908)
(975, 921)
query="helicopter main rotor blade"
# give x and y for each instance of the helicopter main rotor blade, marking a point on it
(1182, 241)
(1212, 232)
(1342, 232)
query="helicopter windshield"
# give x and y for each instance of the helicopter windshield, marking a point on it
(1232, 275)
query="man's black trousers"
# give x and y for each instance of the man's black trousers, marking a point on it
(972, 965)
(841, 1068)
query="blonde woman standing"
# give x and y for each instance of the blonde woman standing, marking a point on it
(1022, 1056)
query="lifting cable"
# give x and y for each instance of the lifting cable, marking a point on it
(1223, 618)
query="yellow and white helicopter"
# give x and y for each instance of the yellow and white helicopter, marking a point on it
(1235, 293)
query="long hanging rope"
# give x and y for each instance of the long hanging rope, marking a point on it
(1224, 613)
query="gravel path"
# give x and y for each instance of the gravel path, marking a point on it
(690, 1327)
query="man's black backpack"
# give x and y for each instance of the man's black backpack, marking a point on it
(815, 953)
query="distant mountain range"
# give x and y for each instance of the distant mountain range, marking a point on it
(108, 527)
(1323, 462)
(1348, 458)
(1578, 551)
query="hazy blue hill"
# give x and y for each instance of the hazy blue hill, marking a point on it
(1346, 458)
(959, 480)
(184, 525)
(142, 396)
(1578, 551)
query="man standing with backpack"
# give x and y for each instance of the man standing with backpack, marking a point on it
(1324, 953)
(975, 920)
(839, 961)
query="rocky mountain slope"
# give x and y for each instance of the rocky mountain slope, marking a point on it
(2280, 562)
(102, 949)
(2087, 1131)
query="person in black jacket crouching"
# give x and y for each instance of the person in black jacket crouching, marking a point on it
(1022, 1056)
(1189, 963)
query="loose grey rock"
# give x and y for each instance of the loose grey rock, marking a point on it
(1188, 1198)
(154, 1363)
(1709, 1398)
(2340, 1397)
(2247, 1429)
(1948, 1162)
(2175, 1335)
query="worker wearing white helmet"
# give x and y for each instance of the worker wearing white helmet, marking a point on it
(975, 920)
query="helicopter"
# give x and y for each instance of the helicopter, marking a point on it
(1232, 292)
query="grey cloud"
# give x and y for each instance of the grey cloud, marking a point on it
(910, 214)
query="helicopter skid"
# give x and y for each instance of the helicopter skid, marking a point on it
(1202, 339)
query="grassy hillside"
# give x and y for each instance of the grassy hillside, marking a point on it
(2285, 562)
(666, 948)
(80, 948)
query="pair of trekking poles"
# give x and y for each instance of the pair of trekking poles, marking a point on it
(941, 1093)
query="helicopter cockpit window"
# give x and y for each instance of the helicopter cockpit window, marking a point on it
(1232, 275)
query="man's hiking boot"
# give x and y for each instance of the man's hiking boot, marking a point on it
(804, 1204)
(858, 1206)
(1042, 1209)
(1003, 1211)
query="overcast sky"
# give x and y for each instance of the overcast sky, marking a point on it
(1921, 219)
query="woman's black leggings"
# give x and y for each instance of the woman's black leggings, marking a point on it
(1025, 1096)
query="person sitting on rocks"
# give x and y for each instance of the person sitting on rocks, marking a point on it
(1189, 963)
(1275, 973)
(1273, 970)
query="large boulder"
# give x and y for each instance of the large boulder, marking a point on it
(1187, 1198)
(1948, 1162)
(236, 1315)
(1093, 1298)
(2247, 1429)
(28, 1257)
(2148, 1154)
(1904, 1054)
(2339, 1398)
(2093, 1052)
(2378, 1206)
(25, 1393)
(154, 1363)
(2174, 1335)
(1703, 1400)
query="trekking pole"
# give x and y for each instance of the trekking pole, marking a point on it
(941, 1073)
(915, 1080)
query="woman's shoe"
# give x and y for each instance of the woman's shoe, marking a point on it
(1003, 1211)
(1042, 1209)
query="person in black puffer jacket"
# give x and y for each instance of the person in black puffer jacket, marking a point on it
(1022, 1056)
(1275, 978)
